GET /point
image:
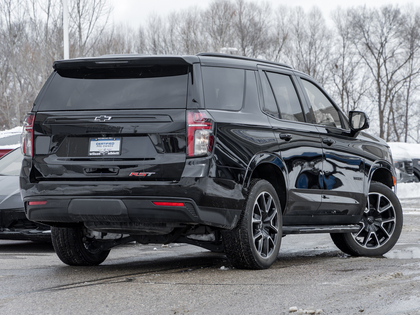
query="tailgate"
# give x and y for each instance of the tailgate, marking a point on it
(123, 145)
(112, 120)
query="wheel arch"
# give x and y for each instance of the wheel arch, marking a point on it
(416, 173)
(383, 173)
(271, 168)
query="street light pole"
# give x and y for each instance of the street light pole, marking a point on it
(66, 29)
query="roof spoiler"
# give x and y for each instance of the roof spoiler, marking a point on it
(111, 61)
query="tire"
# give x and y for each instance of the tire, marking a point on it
(255, 242)
(380, 226)
(73, 248)
(416, 177)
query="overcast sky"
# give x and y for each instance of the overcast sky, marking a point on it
(134, 12)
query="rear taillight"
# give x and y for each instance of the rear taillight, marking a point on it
(200, 133)
(28, 135)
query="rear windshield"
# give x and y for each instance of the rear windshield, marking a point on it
(117, 88)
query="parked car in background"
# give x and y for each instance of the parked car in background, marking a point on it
(406, 158)
(9, 140)
(13, 223)
(416, 168)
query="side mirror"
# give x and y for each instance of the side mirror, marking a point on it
(358, 121)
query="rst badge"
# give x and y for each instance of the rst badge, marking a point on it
(142, 174)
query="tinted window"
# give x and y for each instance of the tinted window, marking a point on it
(270, 106)
(325, 112)
(117, 88)
(223, 88)
(287, 99)
(251, 92)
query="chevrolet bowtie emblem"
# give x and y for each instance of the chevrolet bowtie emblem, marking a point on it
(103, 118)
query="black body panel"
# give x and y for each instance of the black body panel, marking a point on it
(320, 174)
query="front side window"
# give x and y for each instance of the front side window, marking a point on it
(324, 111)
(286, 97)
(223, 88)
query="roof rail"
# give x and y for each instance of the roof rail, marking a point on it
(243, 58)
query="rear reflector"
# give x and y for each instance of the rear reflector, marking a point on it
(37, 203)
(168, 204)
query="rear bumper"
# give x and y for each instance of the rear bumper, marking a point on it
(199, 201)
(128, 210)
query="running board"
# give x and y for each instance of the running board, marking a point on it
(307, 229)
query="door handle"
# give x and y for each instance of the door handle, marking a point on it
(286, 136)
(328, 141)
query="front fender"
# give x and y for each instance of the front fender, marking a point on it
(381, 171)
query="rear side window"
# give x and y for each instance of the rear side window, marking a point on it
(223, 88)
(117, 88)
(286, 97)
(270, 106)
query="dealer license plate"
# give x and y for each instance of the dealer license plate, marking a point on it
(105, 146)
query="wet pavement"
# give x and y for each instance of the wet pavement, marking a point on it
(311, 275)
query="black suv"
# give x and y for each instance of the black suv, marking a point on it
(224, 152)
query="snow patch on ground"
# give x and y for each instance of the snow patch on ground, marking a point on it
(14, 131)
(10, 139)
(408, 190)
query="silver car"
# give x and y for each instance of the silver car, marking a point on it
(13, 223)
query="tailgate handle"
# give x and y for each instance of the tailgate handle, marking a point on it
(103, 171)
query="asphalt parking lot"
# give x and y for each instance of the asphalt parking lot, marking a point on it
(310, 276)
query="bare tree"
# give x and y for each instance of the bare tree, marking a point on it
(116, 40)
(309, 48)
(31, 39)
(218, 23)
(140, 41)
(155, 33)
(89, 20)
(190, 32)
(14, 43)
(411, 31)
(280, 35)
(252, 26)
(373, 56)
(378, 36)
(350, 81)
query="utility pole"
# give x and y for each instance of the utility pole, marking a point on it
(66, 29)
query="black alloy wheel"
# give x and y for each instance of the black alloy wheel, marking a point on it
(255, 242)
(380, 225)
